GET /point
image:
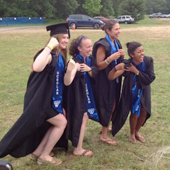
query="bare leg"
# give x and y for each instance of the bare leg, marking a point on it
(140, 122)
(133, 123)
(41, 146)
(79, 149)
(104, 135)
(52, 136)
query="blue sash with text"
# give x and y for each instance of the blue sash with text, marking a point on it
(57, 97)
(90, 103)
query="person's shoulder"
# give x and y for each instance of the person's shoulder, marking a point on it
(148, 59)
(102, 42)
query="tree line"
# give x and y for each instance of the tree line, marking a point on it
(61, 9)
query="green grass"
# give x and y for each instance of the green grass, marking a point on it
(17, 50)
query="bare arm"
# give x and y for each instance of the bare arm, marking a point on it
(71, 72)
(101, 62)
(45, 56)
(116, 71)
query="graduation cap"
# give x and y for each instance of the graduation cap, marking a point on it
(62, 28)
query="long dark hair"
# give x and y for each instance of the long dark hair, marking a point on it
(132, 46)
(109, 25)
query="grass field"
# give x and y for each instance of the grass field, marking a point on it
(18, 47)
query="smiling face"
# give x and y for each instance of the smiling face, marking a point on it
(63, 41)
(138, 55)
(85, 47)
(114, 32)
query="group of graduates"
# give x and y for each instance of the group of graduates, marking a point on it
(62, 95)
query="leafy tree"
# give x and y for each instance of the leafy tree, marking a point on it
(135, 8)
(92, 7)
(154, 6)
(80, 9)
(41, 8)
(62, 8)
(167, 4)
(115, 5)
(66, 7)
(13, 8)
(107, 9)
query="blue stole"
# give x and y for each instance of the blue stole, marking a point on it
(57, 97)
(136, 91)
(113, 50)
(90, 103)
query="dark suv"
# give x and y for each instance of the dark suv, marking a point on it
(79, 20)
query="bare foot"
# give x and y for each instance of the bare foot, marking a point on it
(49, 160)
(132, 139)
(140, 138)
(108, 141)
(34, 156)
(82, 152)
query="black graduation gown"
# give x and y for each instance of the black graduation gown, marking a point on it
(28, 131)
(144, 80)
(75, 104)
(106, 92)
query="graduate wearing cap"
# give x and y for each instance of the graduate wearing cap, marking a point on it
(43, 120)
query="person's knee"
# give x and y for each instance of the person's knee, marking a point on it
(63, 123)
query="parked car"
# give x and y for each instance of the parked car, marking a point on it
(167, 16)
(126, 19)
(155, 15)
(80, 20)
(101, 18)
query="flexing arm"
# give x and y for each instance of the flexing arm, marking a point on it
(101, 62)
(72, 69)
(44, 57)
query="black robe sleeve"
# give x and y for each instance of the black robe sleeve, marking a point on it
(149, 76)
(75, 104)
(105, 92)
(28, 131)
(144, 80)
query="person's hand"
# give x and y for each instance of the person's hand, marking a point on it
(114, 56)
(122, 53)
(132, 68)
(53, 43)
(84, 68)
(78, 66)
(71, 65)
(120, 66)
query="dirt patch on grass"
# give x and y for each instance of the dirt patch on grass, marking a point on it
(148, 32)
(151, 32)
